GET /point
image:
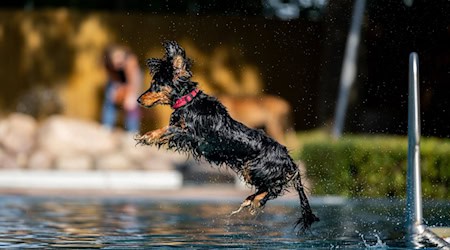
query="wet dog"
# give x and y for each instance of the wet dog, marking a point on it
(201, 126)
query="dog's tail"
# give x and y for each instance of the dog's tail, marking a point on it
(307, 217)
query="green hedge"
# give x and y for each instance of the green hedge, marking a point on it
(373, 166)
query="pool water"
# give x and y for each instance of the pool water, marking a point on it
(127, 223)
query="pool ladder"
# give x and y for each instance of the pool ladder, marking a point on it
(414, 217)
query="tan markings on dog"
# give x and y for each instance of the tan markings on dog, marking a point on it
(156, 134)
(178, 62)
(180, 68)
(258, 198)
(244, 204)
(151, 98)
(246, 174)
(153, 136)
(182, 123)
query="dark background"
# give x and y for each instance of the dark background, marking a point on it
(300, 59)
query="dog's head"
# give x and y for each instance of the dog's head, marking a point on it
(171, 77)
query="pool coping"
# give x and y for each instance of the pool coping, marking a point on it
(147, 184)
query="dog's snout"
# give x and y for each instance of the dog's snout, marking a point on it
(139, 100)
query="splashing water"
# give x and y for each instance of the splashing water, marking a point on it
(378, 245)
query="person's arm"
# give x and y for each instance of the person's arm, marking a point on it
(134, 80)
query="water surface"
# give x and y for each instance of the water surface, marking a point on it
(127, 223)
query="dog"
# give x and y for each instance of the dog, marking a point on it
(267, 112)
(201, 126)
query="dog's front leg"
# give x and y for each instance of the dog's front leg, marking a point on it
(155, 137)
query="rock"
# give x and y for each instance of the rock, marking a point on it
(116, 161)
(8, 161)
(66, 136)
(149, 157)
(157, 163)
(137, 153)
(21, 160)
(18, 133)
(40, 159)
(169, 155)
(72, 162)
(161, 159)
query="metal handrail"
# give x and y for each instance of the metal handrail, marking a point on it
(414, 186)
(414, 216)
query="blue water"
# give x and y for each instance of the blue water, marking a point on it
(127, 223)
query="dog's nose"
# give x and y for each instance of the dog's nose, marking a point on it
(139, 100)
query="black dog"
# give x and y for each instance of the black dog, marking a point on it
(200, 125)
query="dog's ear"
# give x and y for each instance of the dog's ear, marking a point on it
(154, 65)
(178, 63)
(173, 49)
(181, 68)
(176, 54)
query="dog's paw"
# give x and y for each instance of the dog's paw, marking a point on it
(164, 139)
(145, 139)
(140, 139)
(157, 137)
(244, 204)
(255, 208)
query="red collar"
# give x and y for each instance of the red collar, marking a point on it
(185, 99)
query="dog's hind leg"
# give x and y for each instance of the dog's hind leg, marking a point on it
(244, 204)
(257, 204)
(253, 202)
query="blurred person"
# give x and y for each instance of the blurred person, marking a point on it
(121, 91)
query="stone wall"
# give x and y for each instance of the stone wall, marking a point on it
(65, 143)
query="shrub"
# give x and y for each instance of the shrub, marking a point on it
(373, 166)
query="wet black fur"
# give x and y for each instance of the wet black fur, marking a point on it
(204, 129)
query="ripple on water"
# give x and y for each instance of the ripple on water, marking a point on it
(116, 224)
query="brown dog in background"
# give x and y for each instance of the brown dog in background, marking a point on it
(267, 112)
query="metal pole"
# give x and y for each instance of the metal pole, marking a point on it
(414, 220)
(348, 67)
(414, 183)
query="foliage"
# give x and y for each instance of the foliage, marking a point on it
(372, 166)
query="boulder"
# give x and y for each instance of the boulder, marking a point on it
(149, 157)
(161, 159)
(136, 153)
(115, 161)
(169, 155)
(8, 161)
(61, 135)
(157, 163)
(74, 162)
(18, 133)
(40, 159)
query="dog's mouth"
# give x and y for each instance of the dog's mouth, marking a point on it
(146, 104)
(149, 99)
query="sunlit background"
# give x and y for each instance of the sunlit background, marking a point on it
(276, 65)
(286, 48)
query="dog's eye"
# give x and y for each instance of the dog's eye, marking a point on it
(154, 87)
